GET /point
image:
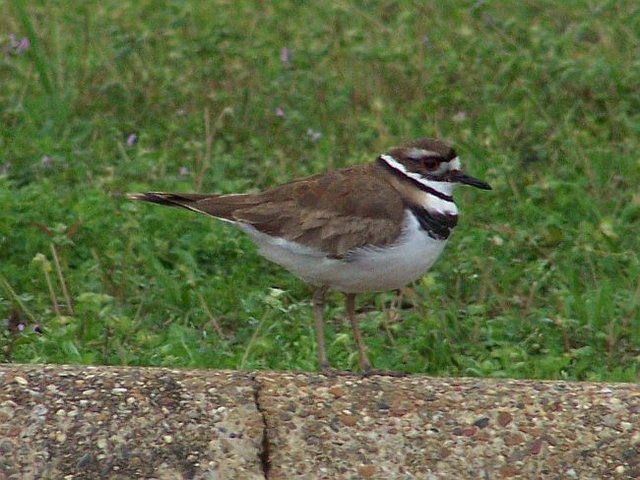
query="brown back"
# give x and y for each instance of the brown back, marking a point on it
(334, 212)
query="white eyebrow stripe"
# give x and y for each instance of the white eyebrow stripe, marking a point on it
(416, 153)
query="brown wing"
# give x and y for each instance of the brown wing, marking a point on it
(334, 212)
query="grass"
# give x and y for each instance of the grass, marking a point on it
(540, 280)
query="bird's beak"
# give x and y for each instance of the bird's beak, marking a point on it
(458, 176)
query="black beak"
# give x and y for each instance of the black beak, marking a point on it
(460, 177)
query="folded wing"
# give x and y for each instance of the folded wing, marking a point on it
(335, 212)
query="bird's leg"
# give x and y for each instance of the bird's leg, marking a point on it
(363, 361)
(318, 317)
(350, 304)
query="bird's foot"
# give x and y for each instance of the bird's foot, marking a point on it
(370, 372)
(328, 371)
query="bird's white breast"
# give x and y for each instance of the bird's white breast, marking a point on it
(367, 269)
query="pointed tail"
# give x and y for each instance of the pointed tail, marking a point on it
(184, 200)
(219, 206)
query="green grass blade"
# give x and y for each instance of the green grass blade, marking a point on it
(34, 48)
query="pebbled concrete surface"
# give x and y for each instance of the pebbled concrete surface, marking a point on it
(434, 428)
(76, 422)
(80, 422)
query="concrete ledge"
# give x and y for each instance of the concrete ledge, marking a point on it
(105, 422)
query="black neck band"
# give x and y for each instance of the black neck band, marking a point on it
(437, 225)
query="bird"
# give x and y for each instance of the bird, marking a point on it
(367, 228)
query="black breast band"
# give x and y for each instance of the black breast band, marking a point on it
(437, 225)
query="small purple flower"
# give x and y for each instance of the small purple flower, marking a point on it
(284, 55)
(18, 46)
(23, 45)
(314, 135)
(132, 139)
(184, 171)
(36, 328)
(279, 112)
(45, 161)
(21, 327)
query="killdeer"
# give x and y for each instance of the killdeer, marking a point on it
(367, 228)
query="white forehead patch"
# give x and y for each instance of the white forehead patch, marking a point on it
(455, 164)
(416, 153)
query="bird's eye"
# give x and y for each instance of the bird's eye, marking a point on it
(430, 163)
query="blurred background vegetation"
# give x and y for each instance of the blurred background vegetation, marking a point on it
(542, 99)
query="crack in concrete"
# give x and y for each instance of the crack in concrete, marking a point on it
(265, 450)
